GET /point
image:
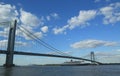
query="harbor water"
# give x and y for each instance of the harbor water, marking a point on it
(100, 70)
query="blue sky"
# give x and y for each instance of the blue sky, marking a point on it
(74, 27)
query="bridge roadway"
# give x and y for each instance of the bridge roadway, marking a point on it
(48, 55)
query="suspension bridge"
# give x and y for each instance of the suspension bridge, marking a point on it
(10, 51)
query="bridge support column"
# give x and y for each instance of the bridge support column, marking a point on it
(10, 47)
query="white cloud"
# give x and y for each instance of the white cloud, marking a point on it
(60, 30)
(55, 15)
(81, 20)
(44, 29)
(20, 43)
(96, 1)
(25, 34)
(4, 34)
(111, 13)
(17, 43)
(52, 16)
(3, 43)
(48, 18)
(92, 44)
(8, 12)
(21, 32)
(38, 34)
(29, 19)
(32, 37)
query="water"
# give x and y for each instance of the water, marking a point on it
(102, 70)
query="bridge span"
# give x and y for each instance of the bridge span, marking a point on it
(11, 43)
(48, 55)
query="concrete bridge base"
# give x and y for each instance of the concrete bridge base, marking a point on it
(9, 66)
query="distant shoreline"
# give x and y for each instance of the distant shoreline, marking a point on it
(86, 64)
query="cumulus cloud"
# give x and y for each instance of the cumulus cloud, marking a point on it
(111, 13)
(60, 30)
(92, 44)
(55, 15)
(29, 37)
(17, 43)
(25, 34)
(38, 34)
(44, 29)
(30, 19)
(25, 19)
(52, 16)
(81, 20)
(8, 12)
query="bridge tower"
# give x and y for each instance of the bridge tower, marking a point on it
(10, 47)
(92, 57)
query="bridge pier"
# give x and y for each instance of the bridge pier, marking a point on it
(10, 47)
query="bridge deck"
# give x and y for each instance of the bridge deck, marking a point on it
(47, 55)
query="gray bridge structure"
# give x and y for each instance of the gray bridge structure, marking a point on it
(10, 50)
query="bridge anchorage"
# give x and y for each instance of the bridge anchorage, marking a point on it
(10, 50)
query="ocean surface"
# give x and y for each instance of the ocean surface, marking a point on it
(100, 70)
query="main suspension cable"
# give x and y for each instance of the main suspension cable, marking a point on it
(41, 42)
